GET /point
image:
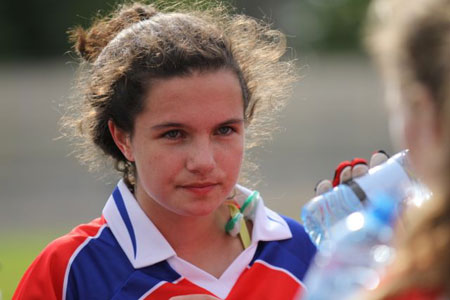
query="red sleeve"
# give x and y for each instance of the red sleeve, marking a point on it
(44, 279)
(419, 294)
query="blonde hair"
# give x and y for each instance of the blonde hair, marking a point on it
(121, 54)
(411, 42)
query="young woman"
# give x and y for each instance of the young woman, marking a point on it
(411, 41)
(170, 96)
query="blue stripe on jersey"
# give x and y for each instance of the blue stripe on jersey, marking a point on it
(101, 270)
(293, 255)
(143, 280)
(126, 218)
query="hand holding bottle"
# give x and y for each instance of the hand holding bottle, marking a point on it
(393, 178)
(348, 170)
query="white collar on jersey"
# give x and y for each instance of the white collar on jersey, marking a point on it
(144, 245)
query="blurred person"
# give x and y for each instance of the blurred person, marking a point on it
(172, 96)
(411, 42)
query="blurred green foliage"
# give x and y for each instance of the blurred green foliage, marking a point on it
(342, 24)
(17, 251)
(37, 29)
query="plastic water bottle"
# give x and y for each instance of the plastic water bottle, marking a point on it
(356, 259)
(393, 178)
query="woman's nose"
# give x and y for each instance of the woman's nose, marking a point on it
(201, 157)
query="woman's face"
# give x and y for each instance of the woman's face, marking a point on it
(414, 126)
(188, 142)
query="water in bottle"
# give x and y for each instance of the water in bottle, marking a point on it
(356, 258)
(393, 178)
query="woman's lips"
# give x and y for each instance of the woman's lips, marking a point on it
(200, 188)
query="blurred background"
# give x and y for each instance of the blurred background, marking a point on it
(336, 113)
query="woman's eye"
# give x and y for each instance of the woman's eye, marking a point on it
(225, 130)
(173, 134)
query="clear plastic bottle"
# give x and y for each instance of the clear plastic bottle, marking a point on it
(393, 178)
(356, 259)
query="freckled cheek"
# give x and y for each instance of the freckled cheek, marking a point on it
(231, 159)
(160, 167)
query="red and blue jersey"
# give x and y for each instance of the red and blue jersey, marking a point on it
(122, 255)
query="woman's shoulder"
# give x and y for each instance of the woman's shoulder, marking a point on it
(299, 242)
(292, 252)
(68, 243)
(45, 276)
(299, 235)
(59, 251)
(295, 227)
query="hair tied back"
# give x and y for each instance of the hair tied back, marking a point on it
(88, 44)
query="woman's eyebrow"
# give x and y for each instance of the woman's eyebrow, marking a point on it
(232, 121)
(178, 125)
(167, 125)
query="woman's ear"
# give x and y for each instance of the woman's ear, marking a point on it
(122, 140)
(424, 113)
(423, 131)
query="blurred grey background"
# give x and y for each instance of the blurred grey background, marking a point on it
(335, 113)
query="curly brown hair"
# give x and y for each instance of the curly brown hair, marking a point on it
(122, 53)
(411, 42)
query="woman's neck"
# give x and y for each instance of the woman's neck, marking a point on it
(196, 239)
(184, 231)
